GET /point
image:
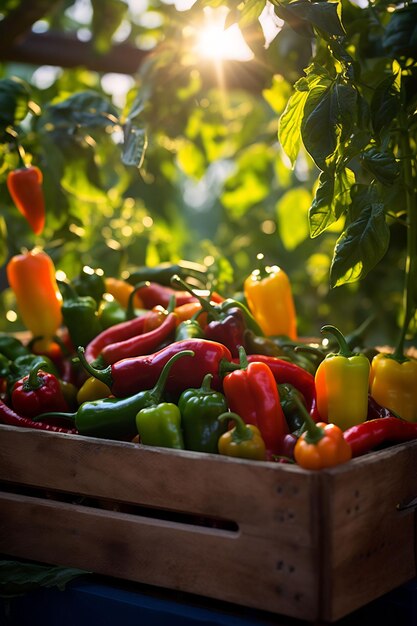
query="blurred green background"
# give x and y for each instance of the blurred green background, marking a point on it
(179, 158)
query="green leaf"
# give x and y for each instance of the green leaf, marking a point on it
(191, 160)
(382, 165)
(289, 129)
(324, 15)
(14, 99)
(107, 17)
(292, 211)
(331, 201)
(385, 104)
(3, 241)
(135, 144)
(250, 12)
(19, 577)
(400, 37)
(85, 109)
(318, 127)
(363, 243)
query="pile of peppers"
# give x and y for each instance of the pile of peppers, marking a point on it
(162, 359)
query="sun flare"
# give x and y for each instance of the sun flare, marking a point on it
(217, 43)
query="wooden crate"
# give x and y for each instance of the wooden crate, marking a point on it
(310, 545)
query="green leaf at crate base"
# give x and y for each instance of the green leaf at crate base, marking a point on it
(135, 144)
(363, 243)
(14, 100)
(19, 577)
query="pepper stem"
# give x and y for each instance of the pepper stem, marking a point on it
(34, 381)
(157, 391)
(344, 349)
(103, 375)
(130, 309)
(240, 432)
(206, 305)
(206, 384)
(313, 432)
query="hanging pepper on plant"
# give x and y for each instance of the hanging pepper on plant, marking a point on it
(251, 391)
(269, 296)
(31, 276)
(342, 382)
(25, 188)
(38, 392)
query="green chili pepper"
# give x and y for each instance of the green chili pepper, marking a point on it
(11, 347)
(200, 409)
(160, 425)
(189, 329)
(111, 313)
(291, 407)
(90, 283)
(163, 273)
(115, 418)
(80, 316)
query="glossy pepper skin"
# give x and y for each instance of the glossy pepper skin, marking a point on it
(367, 436)
(25, 188)
(130, 375)
(11, 347)
(163, 273)
(79, 315)
(115, 418)
(251, 391)
(320, 445)
(22, 365)
(38, 392)
(226, 321)
(160, 425)
(393, 384)
(90, 282)
(31, 276)
(269, 297)
(200, 408)
(243, 440)
(9, 417)
(287, 372)
(342, 382)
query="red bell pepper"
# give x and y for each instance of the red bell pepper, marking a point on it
(252, 393)
(38, 392)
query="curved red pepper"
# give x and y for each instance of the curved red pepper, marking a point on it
(11, 418)
(252, 393)
(25, 188)
(153, 294)
(38, 392)
(129, 376)
(366, 436)
(140, 344)
(287, 372)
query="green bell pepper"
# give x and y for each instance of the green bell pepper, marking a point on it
(200, 409)
(90, 283)
(160, 425)
(11, 347)
(79, 314)
(115, 418)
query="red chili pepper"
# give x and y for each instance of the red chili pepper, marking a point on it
(129, 376)
(252, 392)
(125, 330)
(368, 435)
(9, 417)
(141, 344)
(25, 188)
(153, 294)
(38, 392)
(287, 372)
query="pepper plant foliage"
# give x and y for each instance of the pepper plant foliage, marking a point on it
(354, 111)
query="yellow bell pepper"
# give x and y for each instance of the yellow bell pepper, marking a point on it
(269, 297)
(31, 276)
(342, 385)
(393, 384)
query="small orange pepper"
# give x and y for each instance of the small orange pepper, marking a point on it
(121, 291)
